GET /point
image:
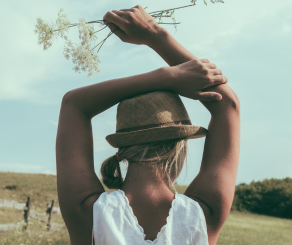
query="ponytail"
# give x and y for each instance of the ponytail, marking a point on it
(111, 173)
(167, 157)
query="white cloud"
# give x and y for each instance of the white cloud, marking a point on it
(28, 168)
(53, 122)
(101, 145)
(26, 67)
(219, 28)
(49, 172)
(286, 28)
(224, 32)
(20, 167)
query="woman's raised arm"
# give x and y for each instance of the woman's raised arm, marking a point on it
(214, 186)
(78, 185)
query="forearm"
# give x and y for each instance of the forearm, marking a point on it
(94, 99)
(174, 54)
(170, 49)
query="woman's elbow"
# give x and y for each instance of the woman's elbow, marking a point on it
(234, 101)
(67, 98)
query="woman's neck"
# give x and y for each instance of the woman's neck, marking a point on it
(142, 180)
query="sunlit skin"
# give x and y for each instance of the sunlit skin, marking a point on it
(150, 198)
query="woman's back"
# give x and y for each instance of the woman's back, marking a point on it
(158, 139)
(177, 221)
(151, 211)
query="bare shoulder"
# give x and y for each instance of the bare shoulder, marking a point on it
(81, 222)
(212, 227)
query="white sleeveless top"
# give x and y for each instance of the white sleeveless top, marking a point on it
(114, 222)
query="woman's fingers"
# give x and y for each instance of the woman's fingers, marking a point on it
(117, 31)
(216, 72)
(120, 13)
(218, 79)
(209, 96)
(115, 19)
(117, 24)
(204, 60)
(128, 10)
(210, 65)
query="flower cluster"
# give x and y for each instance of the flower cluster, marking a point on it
(45, 33)
(81, 54)
(63, 24)
(84, 33)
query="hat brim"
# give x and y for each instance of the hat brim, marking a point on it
(155, 134)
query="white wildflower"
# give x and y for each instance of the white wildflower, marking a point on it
(82, 54)
(45, 32)
(84, 59)
(84, 33)
(91, 32)
(62, 24)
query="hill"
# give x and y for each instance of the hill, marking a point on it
(241, 228)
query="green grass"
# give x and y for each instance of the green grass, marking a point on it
(248, 229)
(239, 229)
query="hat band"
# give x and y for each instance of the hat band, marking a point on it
(185, 122)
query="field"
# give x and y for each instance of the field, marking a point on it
(239, 229)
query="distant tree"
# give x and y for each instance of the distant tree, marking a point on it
(270, 197)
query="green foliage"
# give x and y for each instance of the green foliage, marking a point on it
(270, 197)
(11, 187)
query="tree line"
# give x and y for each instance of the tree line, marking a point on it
(271, 197)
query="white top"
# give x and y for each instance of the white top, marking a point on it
(115, 223)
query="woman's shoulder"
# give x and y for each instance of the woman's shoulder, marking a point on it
(112, 199)
(189, 206)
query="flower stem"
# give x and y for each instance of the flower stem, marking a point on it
(100, 29)
(104, 41)
(168, 23)
(172, 9)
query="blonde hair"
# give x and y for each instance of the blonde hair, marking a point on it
(166, 157)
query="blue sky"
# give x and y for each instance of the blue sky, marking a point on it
(250, 41)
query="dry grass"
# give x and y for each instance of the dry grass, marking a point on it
(41, 188)
(35, 234)
(239, 229)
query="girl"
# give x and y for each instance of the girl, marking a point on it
(152, 130)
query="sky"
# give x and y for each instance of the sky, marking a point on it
(250, 41)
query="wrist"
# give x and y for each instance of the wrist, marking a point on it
(228, 102)
(165, 77)
(158, 36)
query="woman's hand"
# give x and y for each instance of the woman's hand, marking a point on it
(133, 25)
(190, 78)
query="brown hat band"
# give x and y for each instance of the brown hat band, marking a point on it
(185, 122)
(156, 134)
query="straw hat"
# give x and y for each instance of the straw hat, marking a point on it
(151, 117)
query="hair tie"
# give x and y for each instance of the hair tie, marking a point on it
(118, 157)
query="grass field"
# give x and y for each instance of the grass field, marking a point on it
(239, 229)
